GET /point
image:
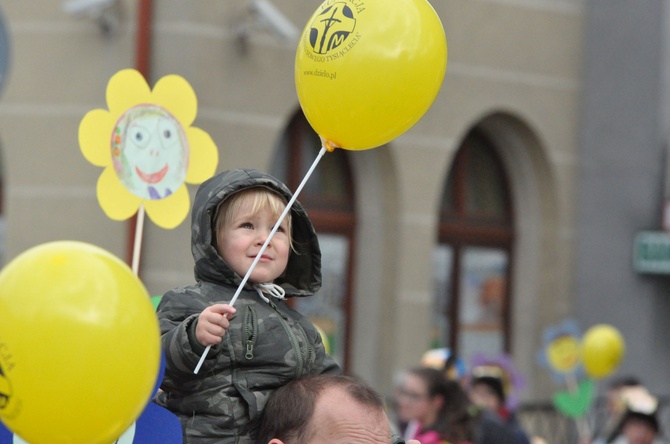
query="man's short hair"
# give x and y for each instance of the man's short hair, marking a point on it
(288, 412)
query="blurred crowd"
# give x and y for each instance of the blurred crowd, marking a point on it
(440, 402)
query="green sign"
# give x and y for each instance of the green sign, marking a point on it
(651, 252)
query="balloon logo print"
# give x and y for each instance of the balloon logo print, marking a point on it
(331, 28)
(5, 389)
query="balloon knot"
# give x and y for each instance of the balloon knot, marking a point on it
(330, 146)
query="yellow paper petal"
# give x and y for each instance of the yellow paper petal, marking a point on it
(116, 201)
(126, 89)
(204, 156)
(169, 212)
(175, 94)
(95, 132)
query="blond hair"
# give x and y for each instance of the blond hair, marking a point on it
(263, 198)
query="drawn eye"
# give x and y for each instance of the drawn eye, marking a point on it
(140, 137)
(168, 133)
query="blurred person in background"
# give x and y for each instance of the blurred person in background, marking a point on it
(607, 419)
(435, 410)
(421, 405)
(487, 391)
(638, 421)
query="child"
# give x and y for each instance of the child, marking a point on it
(488, 391)
(259, 344)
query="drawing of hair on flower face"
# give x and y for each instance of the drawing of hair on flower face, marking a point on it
(150, 152)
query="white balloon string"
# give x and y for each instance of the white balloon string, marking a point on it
(267, 241)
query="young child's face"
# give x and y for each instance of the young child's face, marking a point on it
(483, 396)
(638, 431)
(240, 239)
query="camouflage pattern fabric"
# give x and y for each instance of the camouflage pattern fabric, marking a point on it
(267, 344)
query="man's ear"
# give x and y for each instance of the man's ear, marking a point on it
(276, 441)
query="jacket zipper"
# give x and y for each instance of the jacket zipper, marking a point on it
(292, 338)
(250, 331)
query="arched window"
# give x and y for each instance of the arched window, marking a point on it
(474, 253)
(328, 197)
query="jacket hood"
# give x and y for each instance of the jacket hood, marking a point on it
(303, 271)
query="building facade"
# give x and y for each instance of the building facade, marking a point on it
(623, 181)
(459, 233)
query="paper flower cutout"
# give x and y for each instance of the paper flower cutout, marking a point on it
(511, 378)
(561, 346)
(147, 148)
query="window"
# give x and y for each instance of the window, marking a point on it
(328, 198)
(473, 257)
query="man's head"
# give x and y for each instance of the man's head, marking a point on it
(325, 409)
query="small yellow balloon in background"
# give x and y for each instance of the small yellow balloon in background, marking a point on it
(79, 345)
(367, 71)
(603, 348)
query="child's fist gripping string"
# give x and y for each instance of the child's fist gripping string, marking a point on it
(213, 323)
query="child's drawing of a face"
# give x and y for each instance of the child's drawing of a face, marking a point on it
(150, 152)
(563, 353)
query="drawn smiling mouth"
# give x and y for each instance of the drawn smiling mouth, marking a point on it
(152, 177)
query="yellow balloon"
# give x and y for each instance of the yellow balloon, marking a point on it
(79, 345)
(367, 71)
(603, 348)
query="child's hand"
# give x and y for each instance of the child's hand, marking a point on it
(213, 323)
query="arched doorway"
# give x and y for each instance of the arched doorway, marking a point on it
(474, 254)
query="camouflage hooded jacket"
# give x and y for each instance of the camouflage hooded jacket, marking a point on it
(267, 344)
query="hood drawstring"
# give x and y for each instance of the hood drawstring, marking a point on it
(271, 289)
